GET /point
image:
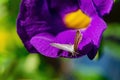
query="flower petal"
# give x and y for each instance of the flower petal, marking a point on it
(62, 6)
(31, 19)
(87, 7)
(94, 32)
(42, 42)
(35, 18)
(103, 6)
(67, 37)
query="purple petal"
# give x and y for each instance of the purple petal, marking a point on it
(67, 37)
(103, 6)
(31, 19)
(62, 6)
(88, 7)
(92, 53)
(94, 32)
(42, 42)
(35, 18)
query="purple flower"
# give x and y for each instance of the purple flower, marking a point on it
(62, 28)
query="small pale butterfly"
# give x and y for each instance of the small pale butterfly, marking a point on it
(72, 48)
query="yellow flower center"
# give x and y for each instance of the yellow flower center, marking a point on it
(76, 20)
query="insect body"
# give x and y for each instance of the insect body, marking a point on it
(72, 48)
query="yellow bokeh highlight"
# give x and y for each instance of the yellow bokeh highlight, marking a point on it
(9, 39)
(76, 20)
(4, 37)
(97, 56)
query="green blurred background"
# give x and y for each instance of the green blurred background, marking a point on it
(17, 64)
